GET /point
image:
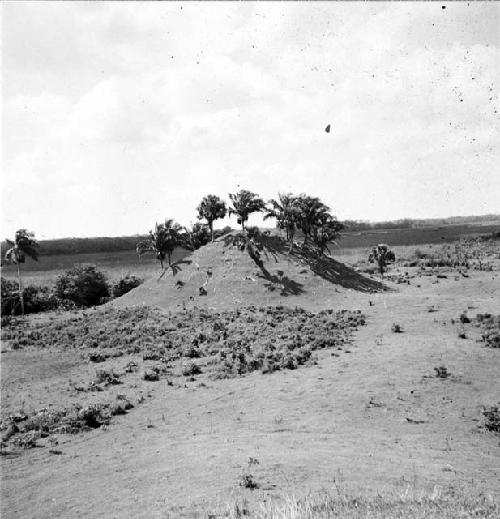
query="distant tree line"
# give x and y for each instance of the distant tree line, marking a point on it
(411, 223)
(84, 245)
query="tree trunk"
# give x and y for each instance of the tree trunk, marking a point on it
(211, 225)
(290, 239)
(243, 225)
(21, 292)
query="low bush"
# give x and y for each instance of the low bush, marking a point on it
(11, 304)
(84, 285)
(492, 418)
(396, 328)
(490, 329)
(36, 299)
(124, 285)
(190, 369)
(442, 372)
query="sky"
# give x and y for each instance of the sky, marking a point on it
(119, 115)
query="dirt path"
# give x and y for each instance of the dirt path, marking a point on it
(374, 419)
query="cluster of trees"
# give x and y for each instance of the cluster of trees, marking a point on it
(83, 285)
(292, 212)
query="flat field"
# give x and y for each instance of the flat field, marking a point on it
(114, 264)
(424, 235)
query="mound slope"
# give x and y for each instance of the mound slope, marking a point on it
(231, 272)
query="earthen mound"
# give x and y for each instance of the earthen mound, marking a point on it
(258, 270)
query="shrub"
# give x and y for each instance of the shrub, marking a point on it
(106, 377)
(124, 285)
(151, 375)
(10, 297)
(191, 369)
(83, 284)
(492, 418)
(441, 372)
(247, 480)
(396, 328)
(36, 299)
(491, 330)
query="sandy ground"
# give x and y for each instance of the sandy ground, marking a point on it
(375, 419)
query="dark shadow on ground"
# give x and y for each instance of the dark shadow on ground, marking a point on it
(175, 267)
(288, 286)
(322, 265)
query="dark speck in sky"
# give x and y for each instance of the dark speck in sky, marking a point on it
(327, 129)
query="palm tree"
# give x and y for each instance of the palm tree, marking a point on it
(211, 208)
(197, 236)
(162, 241)
(286, 212)
(244, 203)
(327, 232)
(24, 244)
(313, 214)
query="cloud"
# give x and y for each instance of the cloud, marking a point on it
(116, 115)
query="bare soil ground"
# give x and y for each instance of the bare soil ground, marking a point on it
(371, 415)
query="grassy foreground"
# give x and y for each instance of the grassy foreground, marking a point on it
(410, 505)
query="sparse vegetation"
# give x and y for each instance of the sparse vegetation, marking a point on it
(224, 344)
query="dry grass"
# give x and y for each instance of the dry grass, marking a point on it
(339, 504)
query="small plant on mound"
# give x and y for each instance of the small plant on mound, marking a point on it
(396, 328)
(84, 285)
(124, 285)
